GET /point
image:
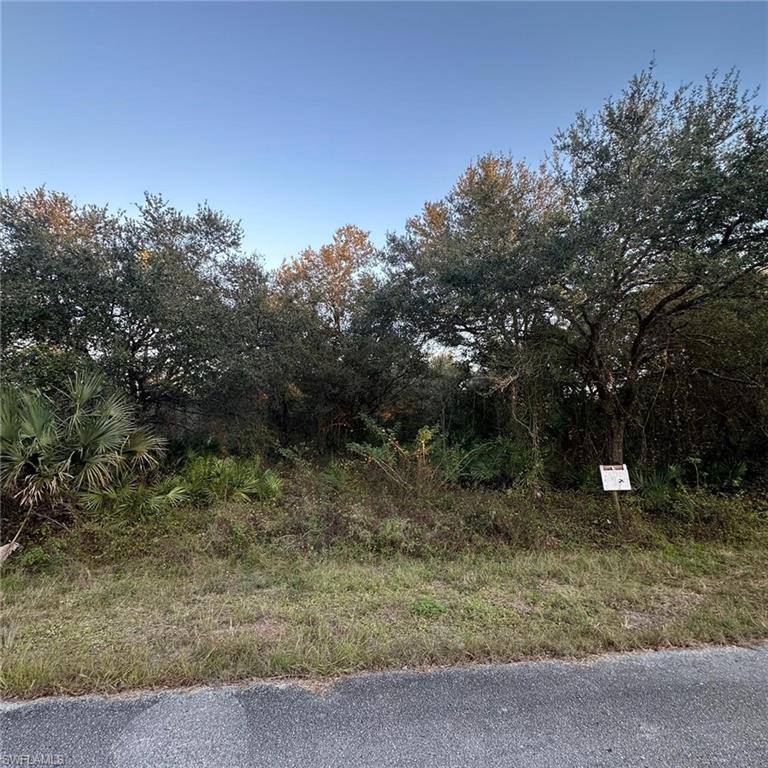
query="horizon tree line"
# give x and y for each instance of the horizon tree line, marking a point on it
(610, 304)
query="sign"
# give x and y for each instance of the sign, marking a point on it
(615, 477)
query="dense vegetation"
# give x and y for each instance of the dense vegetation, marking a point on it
(609, 305)
(375, 458)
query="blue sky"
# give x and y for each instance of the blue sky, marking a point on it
(299, 118)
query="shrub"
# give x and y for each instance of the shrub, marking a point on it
(208, 479)
(659, 490)
(397, 534)
(56, 455)
(335, 476)
(232, 531)
(497, 463)
(431, 460)
(133, 498)
(718, 515)
(726, 476)
(405, 465)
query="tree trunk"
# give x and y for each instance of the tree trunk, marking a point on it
(616, 429)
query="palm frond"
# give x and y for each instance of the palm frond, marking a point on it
(143, 448)
(78, 452)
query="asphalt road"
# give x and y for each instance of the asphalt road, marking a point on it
(680, 708)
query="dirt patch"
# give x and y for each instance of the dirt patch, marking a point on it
(640, 620)
(517, 603)
(666, 607)
(391, 614)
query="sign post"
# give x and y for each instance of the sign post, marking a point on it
(615, 478)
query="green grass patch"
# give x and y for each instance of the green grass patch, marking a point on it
(147, 620)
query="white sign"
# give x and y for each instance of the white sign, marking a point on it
(615, 477)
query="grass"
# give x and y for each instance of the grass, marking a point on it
(150, 620)
(338, 571)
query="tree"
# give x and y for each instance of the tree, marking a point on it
(255, 360)
(667, 197)
(53, 272)
(351, 354)
(479, 281)
(332, 280)
(585, 305)
(706, 399)
(138, 298)
(165, 310)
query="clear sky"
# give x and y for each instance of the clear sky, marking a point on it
(299, 118)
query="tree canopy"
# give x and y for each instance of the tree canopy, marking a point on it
(608, 304)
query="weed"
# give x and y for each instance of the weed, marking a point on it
(426, 607)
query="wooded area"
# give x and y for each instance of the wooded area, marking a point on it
(610, 305)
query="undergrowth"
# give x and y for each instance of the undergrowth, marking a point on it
(336, 569)
(227, 506)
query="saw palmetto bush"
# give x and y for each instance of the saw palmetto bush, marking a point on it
(208, 479)
(74, 450)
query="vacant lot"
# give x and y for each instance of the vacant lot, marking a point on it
(77, 628)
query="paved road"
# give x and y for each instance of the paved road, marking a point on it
(684, 708)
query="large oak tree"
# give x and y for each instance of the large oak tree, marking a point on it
(667, 196)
